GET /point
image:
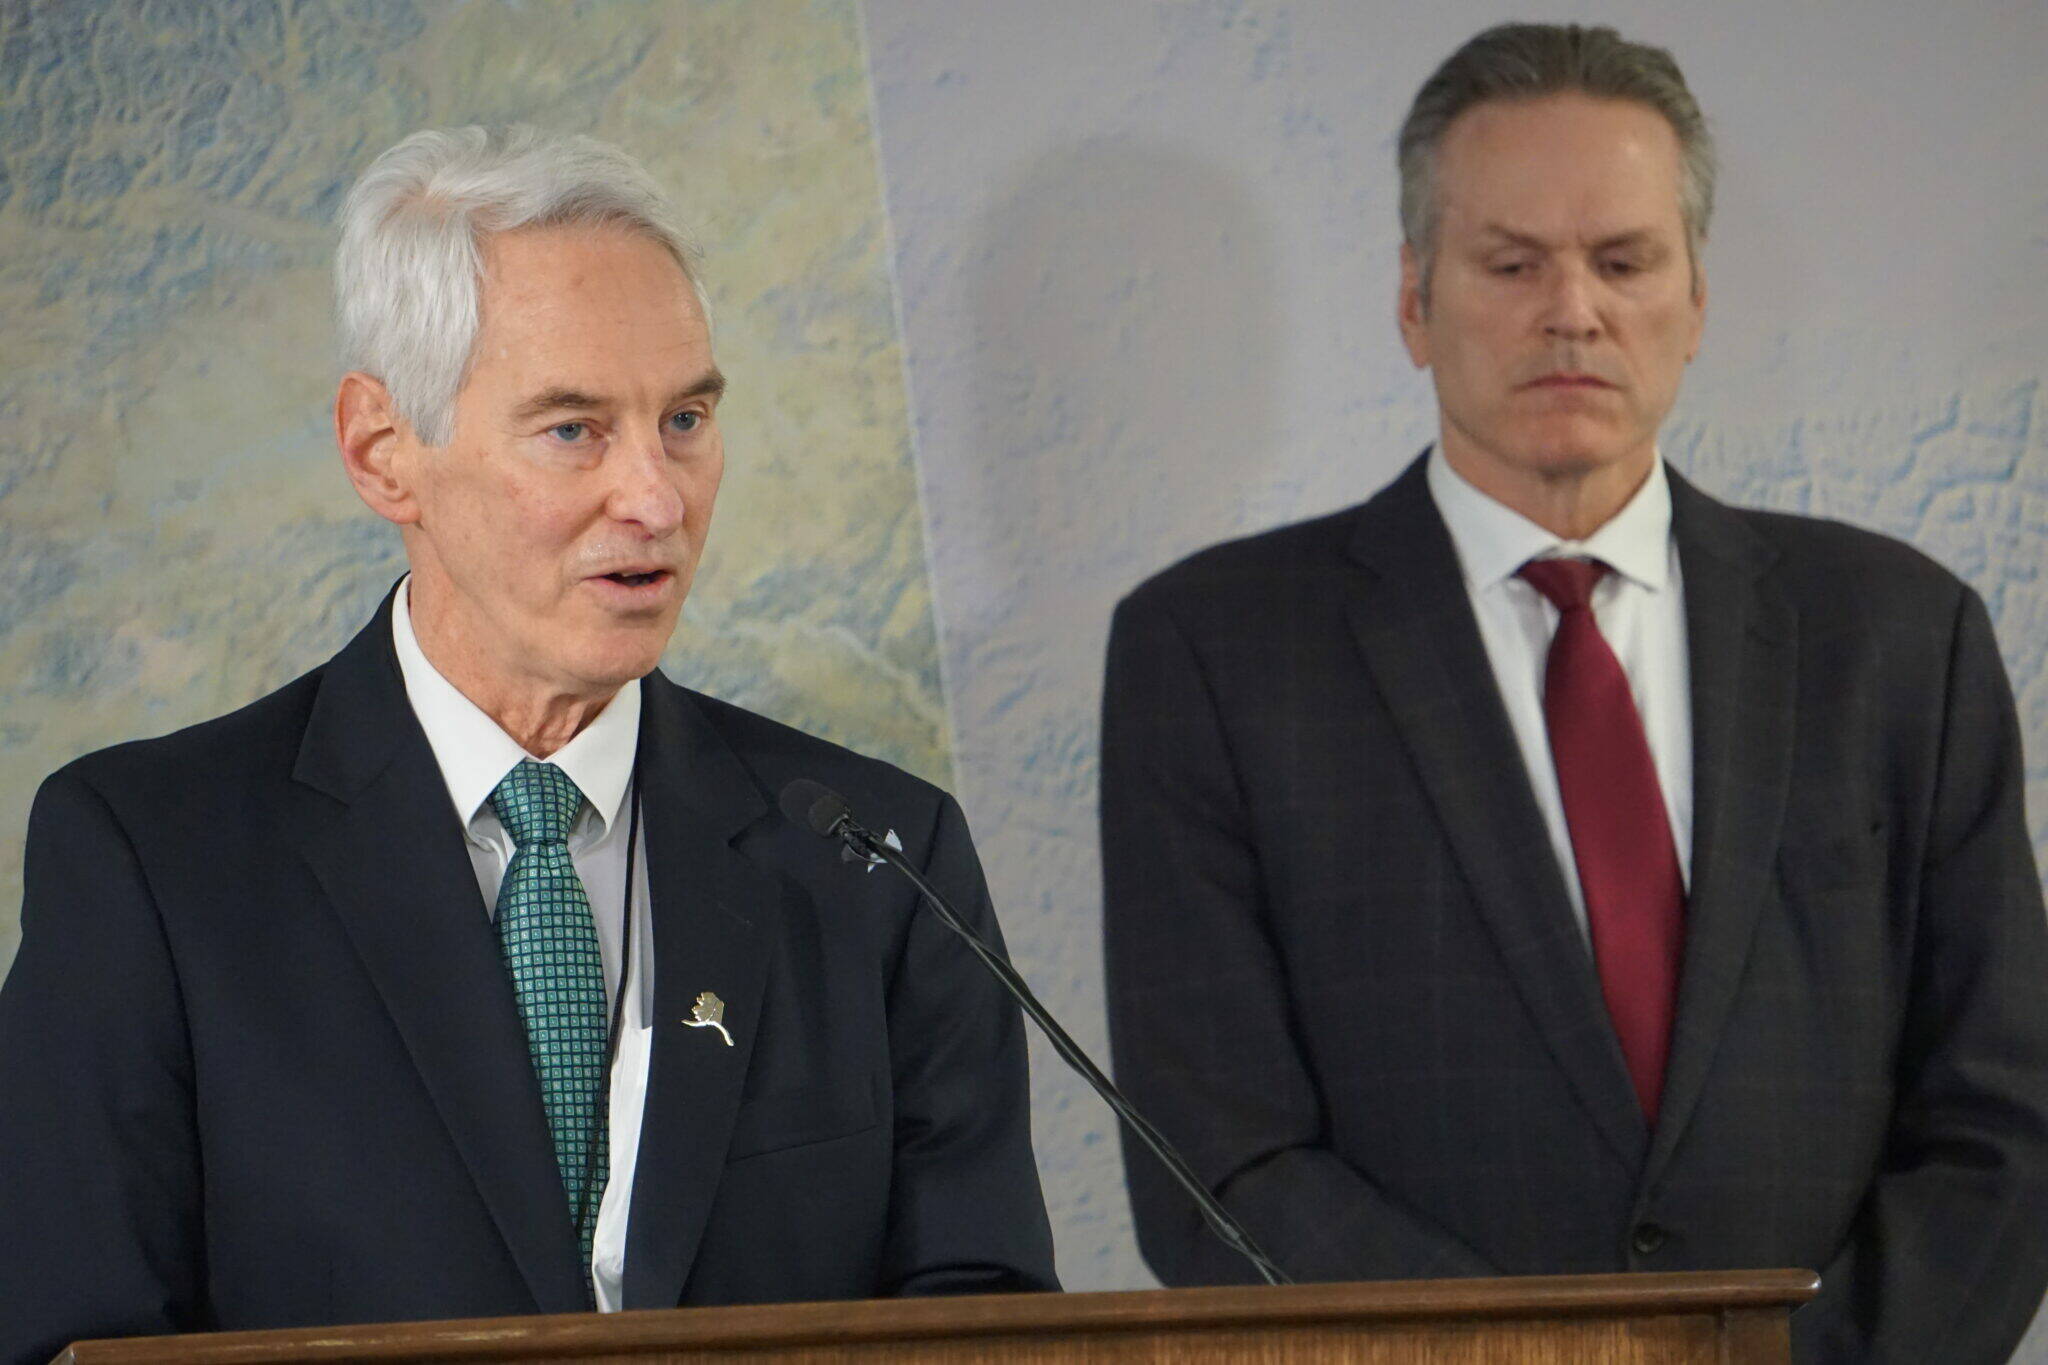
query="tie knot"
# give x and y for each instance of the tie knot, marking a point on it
(536, 803)
(1568, 583)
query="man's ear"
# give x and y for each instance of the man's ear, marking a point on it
(1410, 311)
(377, 447)
(1699, 311)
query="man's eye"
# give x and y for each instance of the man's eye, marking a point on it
(1510, 267)
(1620, 267)
(687, 420)
(570, 432)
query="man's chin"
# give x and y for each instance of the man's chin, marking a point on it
(1570, 449)
(612, 659)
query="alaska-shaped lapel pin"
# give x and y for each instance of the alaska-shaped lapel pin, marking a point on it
(892, 841)
(709, 1012)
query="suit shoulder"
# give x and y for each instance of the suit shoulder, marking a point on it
(1832, 561)
(256, 741)
(1254, 563)
(777, 754)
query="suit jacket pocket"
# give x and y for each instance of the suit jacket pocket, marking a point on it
(797, 1118)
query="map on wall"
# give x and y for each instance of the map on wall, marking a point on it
(176, 536)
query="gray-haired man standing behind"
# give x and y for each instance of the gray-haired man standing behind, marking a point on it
(1545, 868)
(476, 972)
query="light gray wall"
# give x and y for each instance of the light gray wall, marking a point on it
(1146, 256)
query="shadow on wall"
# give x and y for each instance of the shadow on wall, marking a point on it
(1126, 347)
(1122, 383)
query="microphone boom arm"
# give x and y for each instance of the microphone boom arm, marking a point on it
(864, 847)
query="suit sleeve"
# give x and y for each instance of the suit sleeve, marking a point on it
(966, 1212)
(99, 1165)
(1201, 1028)
(1949, 1255)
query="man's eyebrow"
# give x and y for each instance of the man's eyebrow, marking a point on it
(1643, 237)
(1514, 238)
(710, 385)
(559, 399)
(1633, 237)
(554, 400)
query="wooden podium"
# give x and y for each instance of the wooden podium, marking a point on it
(1718, 1318)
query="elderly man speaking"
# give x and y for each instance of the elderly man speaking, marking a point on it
(476, 972)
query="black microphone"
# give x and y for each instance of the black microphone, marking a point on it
(814, 804)
(825, 812)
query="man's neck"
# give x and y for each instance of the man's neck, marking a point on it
(1569, 503)
(539, 717)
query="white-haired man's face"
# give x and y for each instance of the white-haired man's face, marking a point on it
(554, 537)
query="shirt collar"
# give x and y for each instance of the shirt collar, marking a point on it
(1493, 541)
(474, 754)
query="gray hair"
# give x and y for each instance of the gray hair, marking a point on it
(409, 268)
(1527, 61)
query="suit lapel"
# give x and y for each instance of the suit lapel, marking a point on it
(1743, 657)
(716, 919)
(1413, 620)
(379, 833)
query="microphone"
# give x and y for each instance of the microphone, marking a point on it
(814, 804)
(825, 812)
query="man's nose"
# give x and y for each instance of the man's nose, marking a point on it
(1570, 310)
(644, 487)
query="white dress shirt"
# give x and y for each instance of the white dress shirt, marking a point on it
(1640, 607)
(474, 755)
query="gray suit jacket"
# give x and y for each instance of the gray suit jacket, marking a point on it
(1345, 977)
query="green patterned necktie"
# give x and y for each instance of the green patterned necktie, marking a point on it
(549, 942)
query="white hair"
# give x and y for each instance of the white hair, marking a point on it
(409, 268)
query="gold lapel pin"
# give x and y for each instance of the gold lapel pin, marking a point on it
(709, 1012)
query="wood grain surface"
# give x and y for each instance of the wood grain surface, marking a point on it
(1715, 1318)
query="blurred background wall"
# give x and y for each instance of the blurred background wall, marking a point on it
(1143, 258)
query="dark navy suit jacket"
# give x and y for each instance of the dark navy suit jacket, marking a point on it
(260, 1063)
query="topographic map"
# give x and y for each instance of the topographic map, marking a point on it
(176, 536)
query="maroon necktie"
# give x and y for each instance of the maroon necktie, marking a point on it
(1621, 836)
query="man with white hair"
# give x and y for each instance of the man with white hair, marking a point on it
(476, 971)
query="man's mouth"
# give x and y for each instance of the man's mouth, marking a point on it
(637, 580)
(1569, 381)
